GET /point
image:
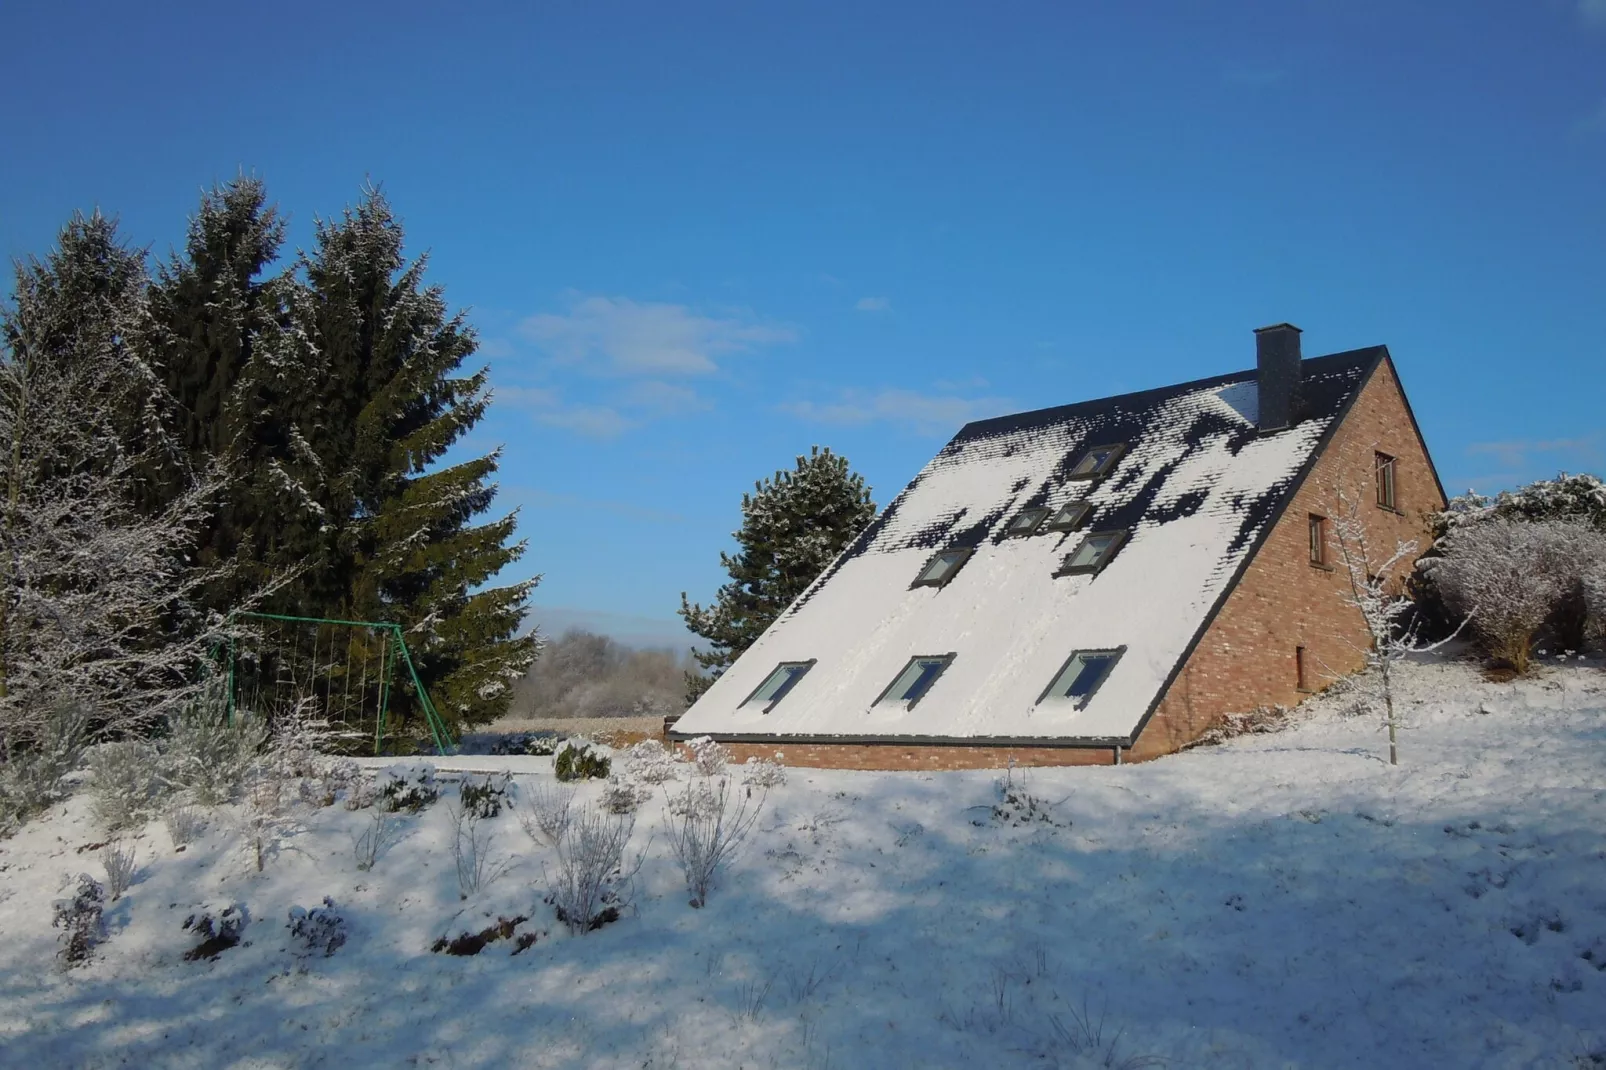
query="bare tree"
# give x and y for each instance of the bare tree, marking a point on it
(1376, 590)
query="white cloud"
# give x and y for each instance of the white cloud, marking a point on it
(925, 413)
(546, 407)
(1593, 11)
(1515, 453)
(873, 304)
(663, 398)
(619, 336)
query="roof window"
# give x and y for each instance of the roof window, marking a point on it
(1026, 522)
(1097, 462)
(1092, 554)
(942, 566)
(1069, 517)
(911, 685)
(1079, 678)
(778, 683)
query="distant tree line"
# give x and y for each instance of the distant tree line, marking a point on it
(582, 674)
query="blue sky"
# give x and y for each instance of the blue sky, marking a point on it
(697, 239)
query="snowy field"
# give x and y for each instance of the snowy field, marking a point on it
(1280, 900)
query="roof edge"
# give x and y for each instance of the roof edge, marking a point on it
(1058, 742)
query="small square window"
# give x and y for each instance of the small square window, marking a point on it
(941, 568)
(1026, 522)
(911, 685)
(1081, 676)
(1385, 481)
(1069, 518)
(1301, 680)
(778, 683)
(1094, 552)
(1097, 462)
(1318, 540)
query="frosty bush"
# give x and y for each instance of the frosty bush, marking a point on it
(1515, 576)
(763, 773)
(267, 816)
(218, 929)
(650, 762)
(184, 825)
(586, 891)
(80, 919)
(710, 758)
(485, 796)
(705, 834)
(124, 786)
(578, 760)
(622, 796)
(408, 787)
(321, 930)
(32, 770)
(549, 813)
(206, 756)
(120, 866)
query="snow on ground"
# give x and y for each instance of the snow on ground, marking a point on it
(1280, 900)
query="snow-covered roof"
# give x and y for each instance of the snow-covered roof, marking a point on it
(1196, 489)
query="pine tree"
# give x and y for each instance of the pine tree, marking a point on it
(383, 404)
(793, 526)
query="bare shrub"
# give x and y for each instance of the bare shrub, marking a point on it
(650, 762)
(472, 841)
(709, 757)
(586, 887)
(184, 825)
(1515, 575)
(706, 832)
(547, 818)
(124, 786)
(1258, 721)
(763, 773)
(120, 866)
(378, 833)
(621, 796)
(1090, 1036)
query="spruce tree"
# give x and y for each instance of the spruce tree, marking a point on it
(383, 403)
(793, 526)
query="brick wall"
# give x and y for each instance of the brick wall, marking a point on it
(1247, 658)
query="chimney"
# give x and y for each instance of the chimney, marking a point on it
(1277, 365)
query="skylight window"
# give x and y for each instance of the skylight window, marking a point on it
(1026, 522)
(911, 685)
(941, 568)
(1069, 517)
(778, 683)
(1081, 675)
(1092, 554)
(1097, 462)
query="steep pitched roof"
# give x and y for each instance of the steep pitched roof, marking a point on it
(1197, 488)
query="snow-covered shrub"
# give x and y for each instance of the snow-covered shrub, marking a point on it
(1579, 497)
(1258, 721)
(549, 813)
(184, 825)
(218, 928)
(578, 760)
(710, 758)
(1511, 576)
(206, 756)
(698, 799)
(705, 834)
(472, 841)
(267, 815)
(124, 784)
(378, 832)
(764, 773)
(120, 864)
(541, 744)
(586, 890)
(485, 796)
(299, 747)
(80, 920)
(321, 930)
(32, 770)
(408, 787)
(650, 762)
(622, 796)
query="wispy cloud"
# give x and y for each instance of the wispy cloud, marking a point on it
(669, 399)
(547, 407)
(619, 336)
(923, 413)
(1592, 12)
(1516, 455)
(873, 304)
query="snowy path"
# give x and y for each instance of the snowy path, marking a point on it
(1282, 900)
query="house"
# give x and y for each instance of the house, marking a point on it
(1094, 583)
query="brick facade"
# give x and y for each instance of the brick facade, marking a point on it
(1247, 657)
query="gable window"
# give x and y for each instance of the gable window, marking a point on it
(1097, 462)
(1318, 541)
(1081, 675)
(1385, 481)
(1069, 518)
(1025, 523)
(942, 566)
(778, 683)
(911, 685)
(1094, 552)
